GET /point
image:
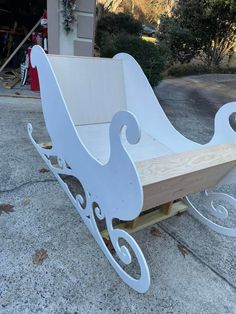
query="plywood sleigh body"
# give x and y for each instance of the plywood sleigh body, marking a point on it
(108, 130)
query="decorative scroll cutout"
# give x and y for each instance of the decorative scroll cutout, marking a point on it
(107, 194)
(76, 189)
(224, 132)
(210, 199)
(88, 208)
(219, 211)
(232, 121)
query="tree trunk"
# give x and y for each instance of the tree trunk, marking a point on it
(132, 6)
(116, 4)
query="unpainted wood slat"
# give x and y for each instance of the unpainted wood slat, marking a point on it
(167, 178)
(148, 219)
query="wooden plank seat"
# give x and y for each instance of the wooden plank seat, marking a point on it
(109, 131)
(171, 177)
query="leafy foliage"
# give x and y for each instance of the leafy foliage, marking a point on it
(150, 57)
(68, 8)
(181, 43)
(112, 23)
(200, 27)
(120, 33)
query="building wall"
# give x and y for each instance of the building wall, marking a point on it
(80, 40)
(53, 26)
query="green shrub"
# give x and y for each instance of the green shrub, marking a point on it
(117, 23)
(150, 56)
(121, 33)
(196, 69)
(200, 27)
(182, 45)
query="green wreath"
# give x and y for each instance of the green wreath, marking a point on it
(69, 7)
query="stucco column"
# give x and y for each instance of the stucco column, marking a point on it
(80, 40)
(53, 26)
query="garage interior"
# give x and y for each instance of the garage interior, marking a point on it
(22, 24)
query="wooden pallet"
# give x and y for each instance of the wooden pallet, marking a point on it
(149, 218)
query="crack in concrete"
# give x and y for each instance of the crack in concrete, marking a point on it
(198, 258)
(26, 183)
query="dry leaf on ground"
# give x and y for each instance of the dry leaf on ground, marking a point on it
(6, 208)
(39, 257)
(155, 232)
(182, 249)
(43, 170)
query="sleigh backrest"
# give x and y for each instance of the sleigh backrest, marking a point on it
(93, 88)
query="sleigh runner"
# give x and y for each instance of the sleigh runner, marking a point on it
(109, 132)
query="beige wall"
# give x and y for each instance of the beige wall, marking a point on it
(80, 40)
(53, 26)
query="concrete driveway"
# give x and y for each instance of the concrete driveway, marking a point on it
(193, 269)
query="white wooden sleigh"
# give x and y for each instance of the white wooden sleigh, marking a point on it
(108, 130)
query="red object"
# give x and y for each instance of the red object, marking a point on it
(33, 73)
